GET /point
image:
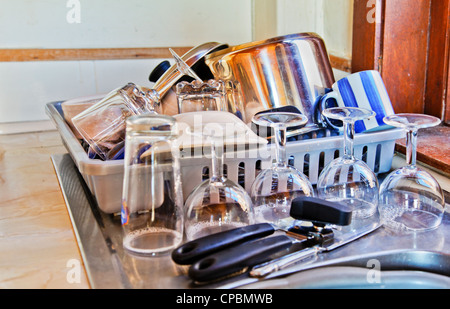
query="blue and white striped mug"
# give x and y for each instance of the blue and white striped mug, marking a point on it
(364, 89)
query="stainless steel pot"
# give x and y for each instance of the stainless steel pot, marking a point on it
(286, 70)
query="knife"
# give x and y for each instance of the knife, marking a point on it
(264, 269)
(301, 260)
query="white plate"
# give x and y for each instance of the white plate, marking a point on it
(196, 127)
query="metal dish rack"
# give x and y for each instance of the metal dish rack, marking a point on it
(104, 178)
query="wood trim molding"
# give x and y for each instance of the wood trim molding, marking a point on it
(21, 55)
(8, 55)
(343, 64)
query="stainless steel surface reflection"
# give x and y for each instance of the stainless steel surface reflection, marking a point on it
(99, 237)
(426, 252)
(287, 70)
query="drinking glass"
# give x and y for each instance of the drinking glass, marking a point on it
(217, 204)
(102, 125)
(152, 198)
(348, 179)
(201, 96)
(274, 188)
(410, 198)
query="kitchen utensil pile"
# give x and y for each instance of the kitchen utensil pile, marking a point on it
(284, 76)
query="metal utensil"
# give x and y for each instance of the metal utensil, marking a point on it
(283, 262)
(225, 253)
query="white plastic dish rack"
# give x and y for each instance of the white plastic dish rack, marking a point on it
(104, 178)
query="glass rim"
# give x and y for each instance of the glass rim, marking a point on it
(427, 121)
(301, 121)
(364, 113)
(149, 123)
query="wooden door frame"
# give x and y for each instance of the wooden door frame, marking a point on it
(379, 31)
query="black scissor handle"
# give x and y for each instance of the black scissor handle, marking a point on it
(237, 258)
(196, 249)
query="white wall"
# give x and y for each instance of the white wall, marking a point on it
(331, 19)
(116, 23)
(25, 87)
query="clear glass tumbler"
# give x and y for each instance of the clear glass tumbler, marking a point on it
(152, 198)
(102, 125)
(201, 96)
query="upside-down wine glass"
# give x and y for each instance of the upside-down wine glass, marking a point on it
(274, 189)
(347, 179)
(218, 203)
(410, 198)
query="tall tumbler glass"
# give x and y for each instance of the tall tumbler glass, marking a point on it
(152, 198)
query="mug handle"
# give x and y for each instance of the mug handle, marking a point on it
(323, 105)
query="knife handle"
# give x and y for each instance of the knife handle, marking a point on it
(320, 210)
(237, 258)
(196, 249)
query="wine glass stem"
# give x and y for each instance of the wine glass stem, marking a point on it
(280, 146)
(411, 147)
(216, 159)
(349, 134)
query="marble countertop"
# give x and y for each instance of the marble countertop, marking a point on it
(38, 246)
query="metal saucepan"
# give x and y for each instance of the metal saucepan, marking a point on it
(287, 70)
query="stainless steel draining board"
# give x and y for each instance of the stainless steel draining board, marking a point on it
(99, 237)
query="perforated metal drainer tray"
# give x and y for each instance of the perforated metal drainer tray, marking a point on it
(99, 237)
